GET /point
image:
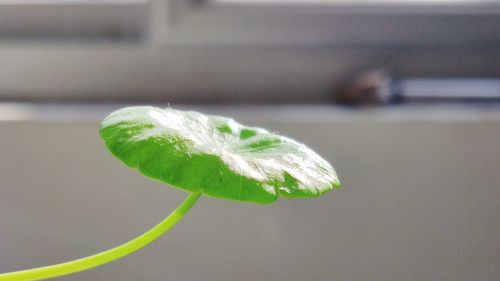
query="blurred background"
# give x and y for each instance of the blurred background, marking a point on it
(401, 96)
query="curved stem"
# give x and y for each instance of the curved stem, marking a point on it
(123, 250)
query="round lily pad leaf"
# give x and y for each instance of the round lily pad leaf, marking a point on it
(215, 155)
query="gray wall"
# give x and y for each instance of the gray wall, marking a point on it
(198, 51)
(420, 201)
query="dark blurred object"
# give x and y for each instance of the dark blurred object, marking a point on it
(376, 87)
(370, 88)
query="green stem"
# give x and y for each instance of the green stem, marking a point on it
(123, 250)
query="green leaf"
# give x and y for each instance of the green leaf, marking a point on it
(215, 155)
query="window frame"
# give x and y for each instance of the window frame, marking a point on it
(211, 23)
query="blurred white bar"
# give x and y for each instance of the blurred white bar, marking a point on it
(450, 88)
(427, 7)
(295, 114)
